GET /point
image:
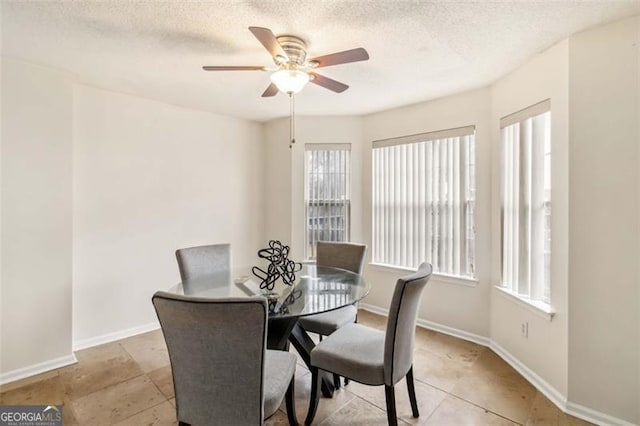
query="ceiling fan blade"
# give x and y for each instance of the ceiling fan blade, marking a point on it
(272, 90)
(232, 68)
(353, 55)
(269, 41)
(328, 83)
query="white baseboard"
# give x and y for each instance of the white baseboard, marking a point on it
(430, 325)
(32, 370)
(373, 309)
(594, 416)
(538, 382)
(464, 335)
(110, 337)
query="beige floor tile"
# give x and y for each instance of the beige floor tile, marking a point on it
(148, 350)
(427, 396)
(161, 415)
(502, 390)
(491, 362)
(357, 412)
(118, 402)
(278, 419)
(108, 385)
(456, 412)
(326, 406)
(543, 412)
(449, 347)
(44, 392)
(423, 336)
(27, 381)
(92, 374)
(68, 414)
(436, 370)
(163, 379)
(100, 353)
(372, 320)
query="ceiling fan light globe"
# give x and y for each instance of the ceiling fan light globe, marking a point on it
(290, 81)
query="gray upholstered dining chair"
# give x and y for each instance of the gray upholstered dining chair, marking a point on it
(371, 356)
(222, 373)
(202, 260)
(349, 256)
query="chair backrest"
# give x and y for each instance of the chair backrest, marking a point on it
(217, 350)
(349, 256)
(203, 260)
(401, 327)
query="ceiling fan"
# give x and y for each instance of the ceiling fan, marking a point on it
(292, 70)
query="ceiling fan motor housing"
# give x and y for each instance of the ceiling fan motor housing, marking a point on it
(295, 48)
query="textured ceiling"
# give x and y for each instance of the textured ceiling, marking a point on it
(419, 50)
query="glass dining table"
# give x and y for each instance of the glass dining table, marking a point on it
(316, 289)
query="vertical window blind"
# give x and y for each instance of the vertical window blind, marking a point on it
(327, 194)
(424, 201)
(526, 201)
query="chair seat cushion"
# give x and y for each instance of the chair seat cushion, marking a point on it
(354, 351)
(279, 368)
(328, 322)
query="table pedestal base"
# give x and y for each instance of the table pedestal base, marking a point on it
(284, 330)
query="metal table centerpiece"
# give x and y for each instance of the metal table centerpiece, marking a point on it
(280, 267)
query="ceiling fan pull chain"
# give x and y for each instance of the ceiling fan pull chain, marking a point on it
(292, 120)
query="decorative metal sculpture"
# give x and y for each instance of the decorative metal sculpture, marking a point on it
(282, 308)
(288, 301)
(280, 266)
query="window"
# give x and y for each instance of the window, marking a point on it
(526, 202)
(327, 194)
(424, 200)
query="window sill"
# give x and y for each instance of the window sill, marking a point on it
(444, 278)
(541, 309)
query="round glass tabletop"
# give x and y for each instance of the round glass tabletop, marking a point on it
(317, 289)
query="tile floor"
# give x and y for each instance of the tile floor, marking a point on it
(128, 382)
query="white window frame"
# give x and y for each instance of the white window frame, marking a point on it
(335, 196)
(525, 139)
(411, 192)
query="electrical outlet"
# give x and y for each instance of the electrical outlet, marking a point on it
(524, 329)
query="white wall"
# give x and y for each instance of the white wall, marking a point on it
(545, 349)
(464, 307)
(285, 174)
(150, 178)
(326, 130)
(604, 352)
(36, 217)
(277, 182)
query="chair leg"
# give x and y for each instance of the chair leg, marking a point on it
(392, 417)
(346, 380)
(336, 381)
(315, 395)
(412, 393)
(290, 399)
